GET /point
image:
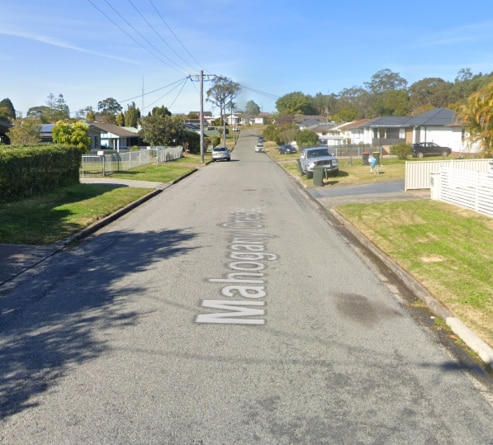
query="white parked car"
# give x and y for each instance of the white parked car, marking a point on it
(259, 148)
(312, 157)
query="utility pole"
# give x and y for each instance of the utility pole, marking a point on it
(200, 78)
(202, 116)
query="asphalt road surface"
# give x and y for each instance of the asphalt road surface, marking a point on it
(226, 310)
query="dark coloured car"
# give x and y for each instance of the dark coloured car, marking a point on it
(429, 149)
(261, 139)
(287, 149)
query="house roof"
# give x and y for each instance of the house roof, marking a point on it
(4, 126)
(438, 117)
(353, 125)
(389, 121)
(115, 129)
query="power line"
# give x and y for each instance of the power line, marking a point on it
(175, 36)
(157, 89)
(263, 93)
(140, 34)
(159, 35)
(171, 63)
(184, 81)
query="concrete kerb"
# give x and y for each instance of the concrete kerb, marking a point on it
(481, 348)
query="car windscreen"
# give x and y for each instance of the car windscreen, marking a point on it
(317, 153)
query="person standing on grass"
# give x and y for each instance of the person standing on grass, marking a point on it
(373, 162)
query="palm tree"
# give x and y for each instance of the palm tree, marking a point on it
(477, 117)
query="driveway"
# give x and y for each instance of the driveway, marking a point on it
(333, 196)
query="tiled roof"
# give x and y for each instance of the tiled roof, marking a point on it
(355, 124)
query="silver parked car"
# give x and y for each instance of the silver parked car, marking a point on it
(259, 148)
(312, 157)
(221, 153)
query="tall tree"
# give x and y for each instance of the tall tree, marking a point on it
(251, 108)
(427, 93)
(7, 110)
(108, 109)
(132, 115)
(295, 103)
(222, 94)
(352, 103)
(57, 108)
(385, 80)
(325, 104)
(388, 93)
(160, 111)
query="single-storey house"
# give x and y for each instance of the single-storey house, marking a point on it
(439, 125)
(115, 137)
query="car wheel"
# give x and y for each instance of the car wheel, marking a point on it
(444, 153)
(420, 154)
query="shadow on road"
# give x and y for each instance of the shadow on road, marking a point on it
(58, 319)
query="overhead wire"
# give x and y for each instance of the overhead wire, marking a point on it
(175, 36)
(170, 63)
(183, 79)
(159, 35)
(142, 36)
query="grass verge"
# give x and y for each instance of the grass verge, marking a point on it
(45, 219)
(446, 248)
(54, 216)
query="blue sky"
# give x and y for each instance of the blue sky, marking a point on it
(143, 50)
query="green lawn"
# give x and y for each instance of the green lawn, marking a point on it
(446, 248)
(55, 216)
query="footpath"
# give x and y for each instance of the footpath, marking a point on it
(18, 259)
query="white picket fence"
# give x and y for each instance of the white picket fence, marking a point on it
(418, 173)
(469, 189)
(107, 163)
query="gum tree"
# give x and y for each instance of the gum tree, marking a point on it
(222, 95)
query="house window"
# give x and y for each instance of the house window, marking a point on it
(392, 133)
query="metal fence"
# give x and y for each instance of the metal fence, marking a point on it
(418, 173)
(469, 189)
(348, 150)
(107, 163)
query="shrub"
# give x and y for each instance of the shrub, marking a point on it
(402, 151)
(215, 140)
(27, 171)
(307, 138)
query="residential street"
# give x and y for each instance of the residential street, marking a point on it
(225, 310)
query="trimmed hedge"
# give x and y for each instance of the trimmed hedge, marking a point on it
(33, 170)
